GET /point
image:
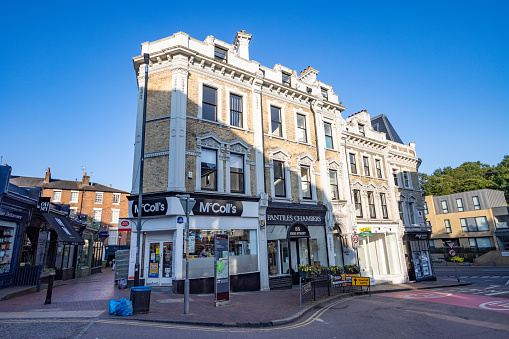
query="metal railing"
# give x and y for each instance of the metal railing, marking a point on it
(28, 276)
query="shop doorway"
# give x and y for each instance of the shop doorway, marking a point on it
(298, 241)
(159, 261)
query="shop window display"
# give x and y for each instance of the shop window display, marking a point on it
(243, 252)
(7, 232)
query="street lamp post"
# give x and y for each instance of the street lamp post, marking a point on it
(187, 205)
(146, 59)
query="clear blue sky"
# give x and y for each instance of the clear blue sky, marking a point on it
(437, 69)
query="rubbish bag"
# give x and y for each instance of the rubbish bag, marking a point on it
(121, 307)
(122, 283)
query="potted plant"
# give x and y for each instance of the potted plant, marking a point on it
(336, 270)
(351, 269)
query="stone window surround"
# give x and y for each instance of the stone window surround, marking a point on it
(308, 126)
(333, 131)
(219, 102)
(356, 155)
(362, 155)
(223, 148)
(335, 165)
(307, 160)
(284, 156)
(380, 159)
(376, 189)
(243, 95)
(275, 103)
(406, 200)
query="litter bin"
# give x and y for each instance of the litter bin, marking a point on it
(140, 296)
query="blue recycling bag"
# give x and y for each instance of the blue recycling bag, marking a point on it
(121, 307)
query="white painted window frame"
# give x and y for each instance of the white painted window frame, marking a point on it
(119, 197)
(219, 101)
(99, 201)
(59, 198)
(99, 211)
(275, 103)
(241, 94)
(113, 212)
(77, 193)
(306, 119)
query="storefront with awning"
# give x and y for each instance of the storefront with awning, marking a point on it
(67, 242)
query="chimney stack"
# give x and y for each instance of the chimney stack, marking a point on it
(86, 180)
(241, 44)
(47, 178)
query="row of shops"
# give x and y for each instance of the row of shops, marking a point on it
(37, 238)
(267, 244)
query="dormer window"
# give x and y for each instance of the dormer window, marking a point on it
(361, 129)
(286, 78)
(220, 54)
(324, 93)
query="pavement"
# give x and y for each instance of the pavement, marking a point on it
(88, 297)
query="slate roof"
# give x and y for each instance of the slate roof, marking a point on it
(61, 184)
(380, 123)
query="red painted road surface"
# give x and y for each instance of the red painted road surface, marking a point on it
(456, 299)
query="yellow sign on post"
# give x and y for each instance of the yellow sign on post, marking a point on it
(360, 281)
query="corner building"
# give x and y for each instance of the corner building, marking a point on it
(263, 151)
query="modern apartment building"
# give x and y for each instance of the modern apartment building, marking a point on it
(474, 220)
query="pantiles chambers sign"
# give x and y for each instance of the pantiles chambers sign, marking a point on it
(278, 218)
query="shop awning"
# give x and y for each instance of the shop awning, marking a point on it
(62, 225)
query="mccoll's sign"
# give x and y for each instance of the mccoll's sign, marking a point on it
(217, 207)
(150, 207)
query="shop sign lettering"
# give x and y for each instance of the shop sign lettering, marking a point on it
(217, 207)
(274, 219)
(150, 207)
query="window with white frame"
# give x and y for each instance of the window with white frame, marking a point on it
(358, 203)
(447, 226)
(98, 197)
(301, 128)
(378, 167)
(236, 118)
(97, 214)
(74, 197)
(401, 211)
(286, 78)
(327, 128)
(279, 179)
(220, 54)
(57, 195)
(361, 129)
(115, 213)
(113, 236)
(208, 169)
(411, 212)
(73, 211)
(353, 163)
(371, 203)
(209, 104)
(324, 93)
(365, 162)
(383, 202)
(395, 176)
(333, 179)
(276, 121)
(477, 204)
(445, 208)
(406, 179)
(305, 181)
(236, 173)
(116, 198)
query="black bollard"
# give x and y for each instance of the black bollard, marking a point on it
(50, 288)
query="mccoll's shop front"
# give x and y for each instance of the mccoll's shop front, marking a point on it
(162, 257)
